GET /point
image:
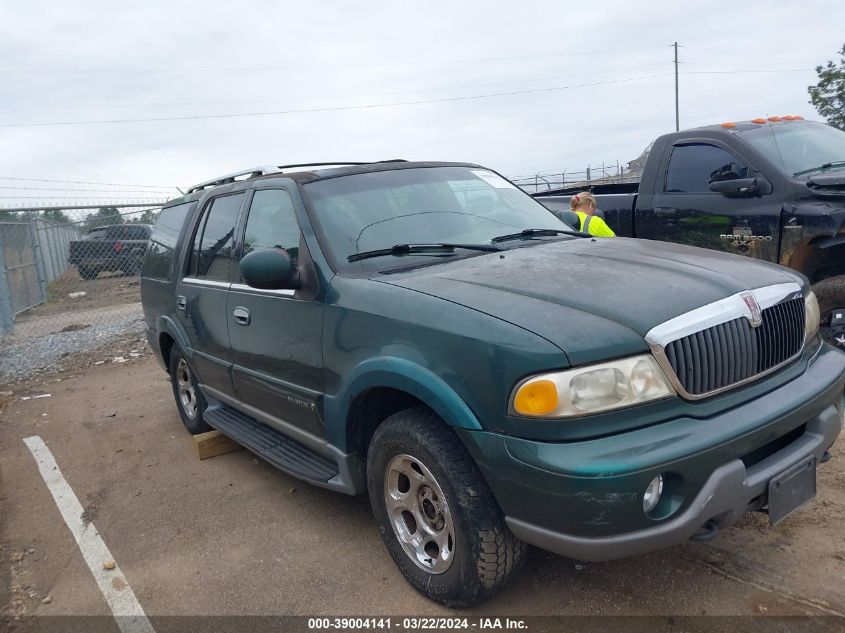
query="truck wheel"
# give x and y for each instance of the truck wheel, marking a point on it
(88, 273)
(436, 514)
(189, 399)
(831, 295)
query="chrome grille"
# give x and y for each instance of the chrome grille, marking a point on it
(733, 352)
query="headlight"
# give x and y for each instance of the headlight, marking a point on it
(575, 392)
(812, 316)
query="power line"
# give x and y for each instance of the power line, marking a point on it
(740, 72)
(337, 108)
(241, 69)
(87, 182)
(114, 191)
(318, 97)
(77, 198)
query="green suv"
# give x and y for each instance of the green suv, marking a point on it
(430, 335)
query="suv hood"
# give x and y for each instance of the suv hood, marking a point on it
(593, 298)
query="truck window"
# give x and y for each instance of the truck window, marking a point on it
(166, 231)
(272, 223)
(693, 167)
(800, 147)
(212, 249)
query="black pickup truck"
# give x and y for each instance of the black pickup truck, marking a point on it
(110, 248)
(773, 189)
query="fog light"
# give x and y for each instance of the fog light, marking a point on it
(652, 494)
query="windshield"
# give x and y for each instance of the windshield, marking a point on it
(798, 146)
(460, 205)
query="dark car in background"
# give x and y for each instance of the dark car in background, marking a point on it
(118, 247)
(429, 334)
(770, 188)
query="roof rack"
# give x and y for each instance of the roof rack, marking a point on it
(271, 169)
(229, 178)
(343, 163)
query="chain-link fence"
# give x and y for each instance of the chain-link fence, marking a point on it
(601, 173)
(69, 281)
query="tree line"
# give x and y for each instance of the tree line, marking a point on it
(104, 216)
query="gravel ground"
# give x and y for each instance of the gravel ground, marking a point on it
(64, 350)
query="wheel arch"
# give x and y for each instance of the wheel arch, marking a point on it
(380, 387)
(818, 258)
(169, 335)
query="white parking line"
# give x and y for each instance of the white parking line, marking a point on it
(129, 615)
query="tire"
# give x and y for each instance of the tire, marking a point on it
(186, 391)
(831, 294)
(88, 273)
(448, 492)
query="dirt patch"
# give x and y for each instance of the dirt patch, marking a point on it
(225, 536)
(107, 290)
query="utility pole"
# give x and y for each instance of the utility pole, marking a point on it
(677, 115)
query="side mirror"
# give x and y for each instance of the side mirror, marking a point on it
(269, 269)
(736, 187)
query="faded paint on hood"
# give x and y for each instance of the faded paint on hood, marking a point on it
(593, 298)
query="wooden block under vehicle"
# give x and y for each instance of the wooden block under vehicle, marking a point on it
(214, 443)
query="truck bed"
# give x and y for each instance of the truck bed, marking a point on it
(616, 203)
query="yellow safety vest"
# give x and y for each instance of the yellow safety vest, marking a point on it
(594, 225)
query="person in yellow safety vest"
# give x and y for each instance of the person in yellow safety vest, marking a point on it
(584, 205)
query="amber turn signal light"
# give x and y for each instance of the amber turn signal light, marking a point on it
(537, 397)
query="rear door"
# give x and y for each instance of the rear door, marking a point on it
(685, 211)
(202, 291)
(276, 334)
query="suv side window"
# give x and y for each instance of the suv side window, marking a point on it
(693, 167)
(165, 233)
(272, 223)
(211, 255)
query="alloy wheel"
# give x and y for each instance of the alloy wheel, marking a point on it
(419, 514)
(185, 389)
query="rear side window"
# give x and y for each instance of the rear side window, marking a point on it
(159, 263)
(693, 167)
(211, 256)
(272, 223)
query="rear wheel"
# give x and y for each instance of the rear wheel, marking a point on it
(831, 295)
(189, 399)
(436, 514)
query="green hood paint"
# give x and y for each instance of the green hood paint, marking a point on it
(594, 299)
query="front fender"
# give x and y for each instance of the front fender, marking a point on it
(403, 375)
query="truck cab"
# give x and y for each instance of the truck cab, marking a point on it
(772, 189)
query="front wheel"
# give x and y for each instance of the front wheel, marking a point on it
(831, 295)
(436, 514)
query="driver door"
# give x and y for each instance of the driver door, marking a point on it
(684, 209)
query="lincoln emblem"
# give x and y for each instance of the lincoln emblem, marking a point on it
(754, 308)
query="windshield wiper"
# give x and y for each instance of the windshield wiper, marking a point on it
(833, 163)
(407, 249)
(538, 232)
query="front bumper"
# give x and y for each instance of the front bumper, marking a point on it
(584, 499)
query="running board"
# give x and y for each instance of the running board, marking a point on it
(277, 448)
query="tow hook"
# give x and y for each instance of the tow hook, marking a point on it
(706, 532)
(825, 458)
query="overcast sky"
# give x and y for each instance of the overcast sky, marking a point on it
(95, 61)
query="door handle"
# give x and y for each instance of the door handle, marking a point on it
(664, 212)
(181, 302)
(241, 315)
